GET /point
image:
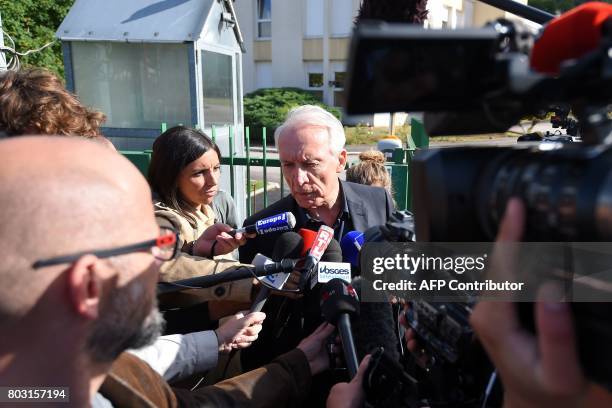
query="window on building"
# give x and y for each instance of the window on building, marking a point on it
(339, 79)
(135, 85)
(314, 18)
(238, 74)
(218, 89)
(339, 98)
(263, 74)
(445, 23)
(264, 18)
(315, 80)
(314, 75)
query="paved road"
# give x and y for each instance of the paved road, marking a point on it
(273, 173)
(354, 150)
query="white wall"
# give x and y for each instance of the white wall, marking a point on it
(341, 17)
(245, 13)
(287, 34)
(314, 18)
(263, 75)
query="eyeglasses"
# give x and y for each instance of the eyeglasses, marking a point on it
(164, 248)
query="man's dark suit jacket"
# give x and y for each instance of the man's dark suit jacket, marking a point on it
(368, 206)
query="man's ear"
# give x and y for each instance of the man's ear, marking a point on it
(84, 286)
(342, 158)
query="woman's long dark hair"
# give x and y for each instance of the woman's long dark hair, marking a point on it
(173, 150)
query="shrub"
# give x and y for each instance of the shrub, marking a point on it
(268, 108)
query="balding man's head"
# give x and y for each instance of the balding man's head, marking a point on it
(60, 196)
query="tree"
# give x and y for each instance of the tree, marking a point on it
(32, 24)
(268, 107)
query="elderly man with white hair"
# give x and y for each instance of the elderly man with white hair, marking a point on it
(311, 150)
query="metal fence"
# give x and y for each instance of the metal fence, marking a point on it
(398, 166)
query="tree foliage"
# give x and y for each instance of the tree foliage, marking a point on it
(268, 107)
(32, 24)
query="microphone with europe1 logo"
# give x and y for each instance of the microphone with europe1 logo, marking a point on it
(276, 223)
(288, 246)
(338, 302)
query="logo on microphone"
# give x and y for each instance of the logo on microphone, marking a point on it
(273, 224)
(322, 240)
(277, 280)
(327, 271)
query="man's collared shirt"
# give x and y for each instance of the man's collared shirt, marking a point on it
(342, 225)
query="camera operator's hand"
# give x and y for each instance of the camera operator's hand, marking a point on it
(420, 355)
(313, 347)
(239, 331)
(349, 395)
(535, 372)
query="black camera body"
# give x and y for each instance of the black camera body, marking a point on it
(460, 194)
(458, 369)
(473, 81)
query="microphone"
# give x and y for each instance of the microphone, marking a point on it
(331, 266)
(570, 36)
(309, 237)
(351, 245)
(324, 236)
(375, 326)
(288, 245)
(276, 223)
(339, 301)
(242, 272)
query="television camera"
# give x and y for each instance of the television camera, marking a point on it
(474, 81)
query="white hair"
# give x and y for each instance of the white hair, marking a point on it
(312, 115)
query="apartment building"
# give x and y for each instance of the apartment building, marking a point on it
(304, 43)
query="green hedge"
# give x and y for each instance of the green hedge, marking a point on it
(268, 108)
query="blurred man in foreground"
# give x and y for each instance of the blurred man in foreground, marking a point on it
(80, 254)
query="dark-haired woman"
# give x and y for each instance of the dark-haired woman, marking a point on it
(184, 175)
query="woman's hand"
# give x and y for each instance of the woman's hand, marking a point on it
(239, 331)
(225, 243)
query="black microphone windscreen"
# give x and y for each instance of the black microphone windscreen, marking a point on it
(333, 253)
(375, 326)
(337, 298)
(287, 246)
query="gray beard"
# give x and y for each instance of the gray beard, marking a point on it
(124, 325)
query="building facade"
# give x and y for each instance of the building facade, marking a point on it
(304, 43)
